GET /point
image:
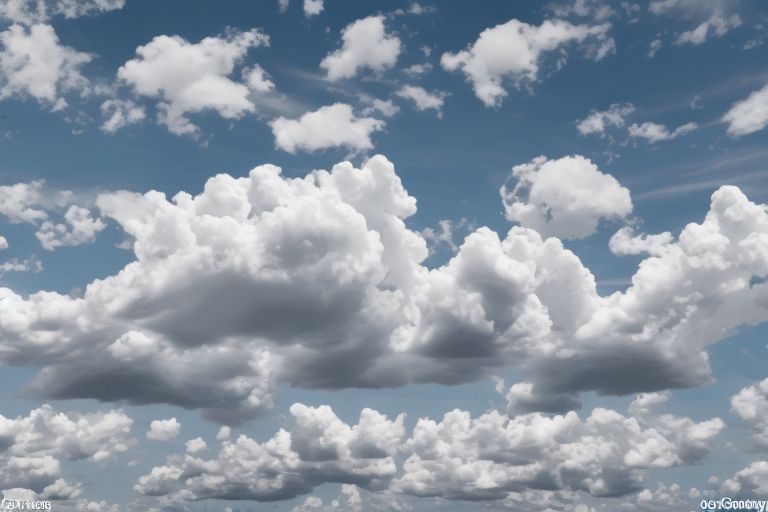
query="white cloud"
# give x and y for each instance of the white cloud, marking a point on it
(193, 77)
(332, 126)
(120, 113)
(3, 243)
(422, 99)
(79, 228)
(751, 405)
(625, 242)
(386, 107)
(317, 282)
(418, 69)
(196, 445)
(598, 120)
(282, 5)
(654, 132)
(33, 445)
(36, 11)
(514, 51)
(164, 430)
(751, 482)
(33, 63)
(313, 7)
(33, 203)
(748, 115)
(713, 17)
(654, 48)
(318, 447)
(459, 457)
(366, 44)
(566, 198)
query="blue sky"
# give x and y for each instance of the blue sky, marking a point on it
(547, 250)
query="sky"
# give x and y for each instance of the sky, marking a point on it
(335, 255)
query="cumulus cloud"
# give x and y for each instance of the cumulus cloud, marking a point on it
(654, 132)
(751, 405)
(313, 7)
(625, 242)
(37, 11)
(318, 448)
(566, 198)
(423, 99)
(32, 446)
(317, 282)
(490, 457)
(164, 430)
(34, 64)
(332, 126)
(366, 44)
(387, 108)
(120, 113)
(33, 203)
(513, 51)
(598, 120)
(750, 483)
(79, 228)
(193, 77)
(748, 115)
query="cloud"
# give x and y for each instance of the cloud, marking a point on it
(624, 242)
(597, 121)
(33, 63)
(654, 132)
(751, 482)
(36, 11)
(33, 203)
(193, 77)
(386, 107)
(317, 448)
(79, 228)
(751, 405)
(332, 126)
(366, 44)
(422, 99)
(164, 430)
(604, 454)
(317, 282)
(748, 115)
(713, 17)
(3, 243)
(514, 51)
(32, 446)
(313, 7)
(566, 198)
(459, 457)
(120, 113)
(282, 5)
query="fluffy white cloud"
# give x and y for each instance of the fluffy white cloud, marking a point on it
(3, 243)
(196, 445)
(120, 113)
(423, 99)
(192, 77)
(460, 457)
(36, 11)
(317, 448)
(313, 7)
(712, 16)
(654, 132)
(386, 107)
(317, 282)
(748, 115)
(597, 121)
(32, 446)
(566, 198)
(514, 50)
(332, 126)
(164, 430)
(79, 228)
(33, 63)
(751, 405)
(751, 482)
(33, 203)
(487, 457)
(366, 44)
(625, 242)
